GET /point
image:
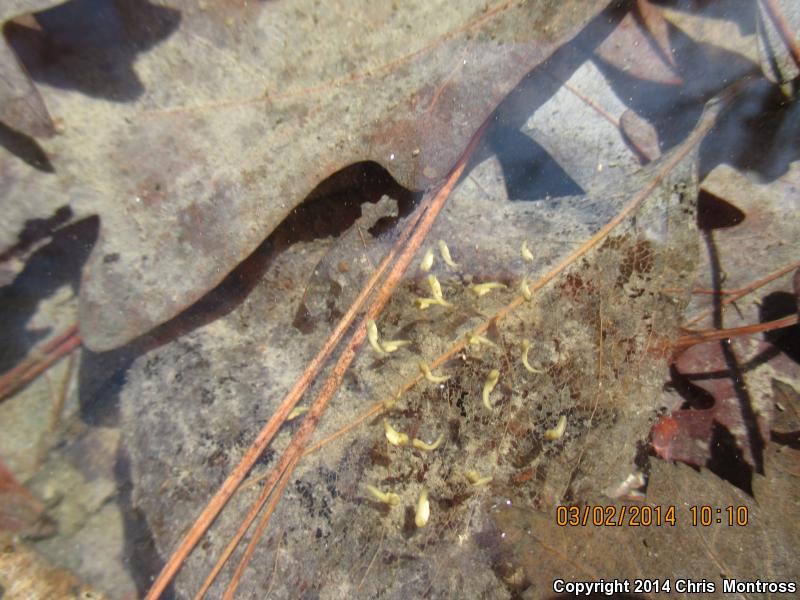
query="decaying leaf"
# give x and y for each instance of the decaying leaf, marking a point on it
(725, 386)
(21, 105)
(231, 118)
(200, 172)
(725, 421)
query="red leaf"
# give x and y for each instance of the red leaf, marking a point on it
(687, 434)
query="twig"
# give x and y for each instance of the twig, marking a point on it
(372, 562)
(235, 539)
(58, 405)
(38, 361)
(58, 397)
(259, 531)
(699, 337)
(375, 409)
(275, 564)
(734, 295)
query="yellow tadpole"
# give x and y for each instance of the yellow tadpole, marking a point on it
(389, 498)
(526, 291)
(426, 372)
(392, 345)
(526, 345)
(296, 412)
(420, 445)
(557, 432)
(491, 381)
(436, 287)
(395, 438)
(476, 480)
(526, 253)
(427, 261)
(385, 347)
(423, 513)
(372, 336)
(445, 252)
(390, 403)
(424, 303)
(477, 339)
(481, 289)
(436, 290)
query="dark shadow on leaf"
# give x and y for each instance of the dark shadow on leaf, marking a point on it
(329, 210)
(36, 230)
(727, 461)
(530, 173)
(25, 148)
(761, 358)
(538, 86)
(755, 440)
(758, 133)
(526, 165)
(54, 265)
(715, 213)
(91, 45)
(742, 13)
(674, 109)
(101, 378)
(776, 306)
(790, 439)
(693, 395)
(140, 549)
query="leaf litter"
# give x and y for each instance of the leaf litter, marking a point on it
(340, 512)
(213, 366)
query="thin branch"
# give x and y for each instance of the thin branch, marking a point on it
(259, 531)
(700, 337)
(39, 360)
(734, 295)
(372, 411)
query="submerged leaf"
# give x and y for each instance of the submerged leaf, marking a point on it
(233, 118)
(21, 105)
